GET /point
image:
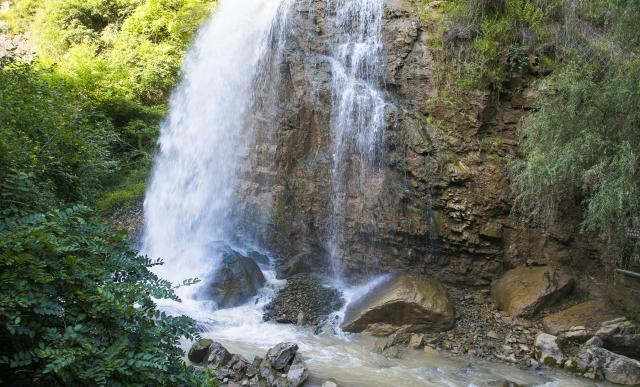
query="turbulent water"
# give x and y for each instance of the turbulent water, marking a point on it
(205, 140)
(229, 76)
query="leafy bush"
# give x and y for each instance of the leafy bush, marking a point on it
(583, 142)
(77, 309)
(52, 139)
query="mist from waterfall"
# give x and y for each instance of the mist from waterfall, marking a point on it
(358, 111)
(206, 138)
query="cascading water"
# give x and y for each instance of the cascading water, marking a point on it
(358, 122)
(206, 138)
(223, 106)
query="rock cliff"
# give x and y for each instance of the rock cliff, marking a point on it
(438, 204)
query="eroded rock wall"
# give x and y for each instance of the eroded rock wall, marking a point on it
(439, 204)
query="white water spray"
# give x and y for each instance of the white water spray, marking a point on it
(205, 140)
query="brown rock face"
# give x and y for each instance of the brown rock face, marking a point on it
(438, 204)
(590, 315)
(523, 291)
(411, 303)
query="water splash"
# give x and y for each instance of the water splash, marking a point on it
(358, 113)
(206, 138)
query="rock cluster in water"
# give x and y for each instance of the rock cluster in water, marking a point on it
(305, 300)
(282, 366)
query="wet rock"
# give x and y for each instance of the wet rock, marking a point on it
(547, 350)
(303, 301)
(199, 351)
(330, 383)
(595, 341)
(297, 374)
(281, 367)
(623, 344)
(258, 257)
(218, 355)
(590, 314)
(416, 341)
(523, 291)
(237, 279)
(281, 356)
(409, 302)
(303, 263)
(501, 383)
(599, 363)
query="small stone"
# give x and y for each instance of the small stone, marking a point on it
(416, 341)
(300, 319)
(493, 335)
(330, 383)
(547, 350)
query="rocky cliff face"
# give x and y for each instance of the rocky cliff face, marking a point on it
(440, 202)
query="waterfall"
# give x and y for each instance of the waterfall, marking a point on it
(358, 111)
(205, 141)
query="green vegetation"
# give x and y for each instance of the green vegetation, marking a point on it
(77, 308)
(582, 143)
(79, 125)
(122, 56)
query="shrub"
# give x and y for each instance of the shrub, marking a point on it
(77, 308)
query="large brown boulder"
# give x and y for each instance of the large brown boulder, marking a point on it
(235, 281)
(523, 291)
(410, 303)
(590, 315)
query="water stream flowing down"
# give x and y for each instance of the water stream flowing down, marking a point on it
(204, 148)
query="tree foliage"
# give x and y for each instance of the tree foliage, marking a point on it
(77, 308)
(53, 140)
(584, 140)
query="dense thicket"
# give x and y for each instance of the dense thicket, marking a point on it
(76, 301)
(582, 143)
(124, 57)
(76, 308)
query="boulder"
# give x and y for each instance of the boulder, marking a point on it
(547, 350)
(199, 351)
(235, 281)
(303, 263)
(259, 258)
(523, 291)
(627, 345)
(590, 314)
(218, 356)
(599, 363)
(303, 301)
(283, 366)
(411, 303)
(297, 374)
(281, 356)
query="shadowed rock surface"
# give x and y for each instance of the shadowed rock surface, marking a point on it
(236, 280)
